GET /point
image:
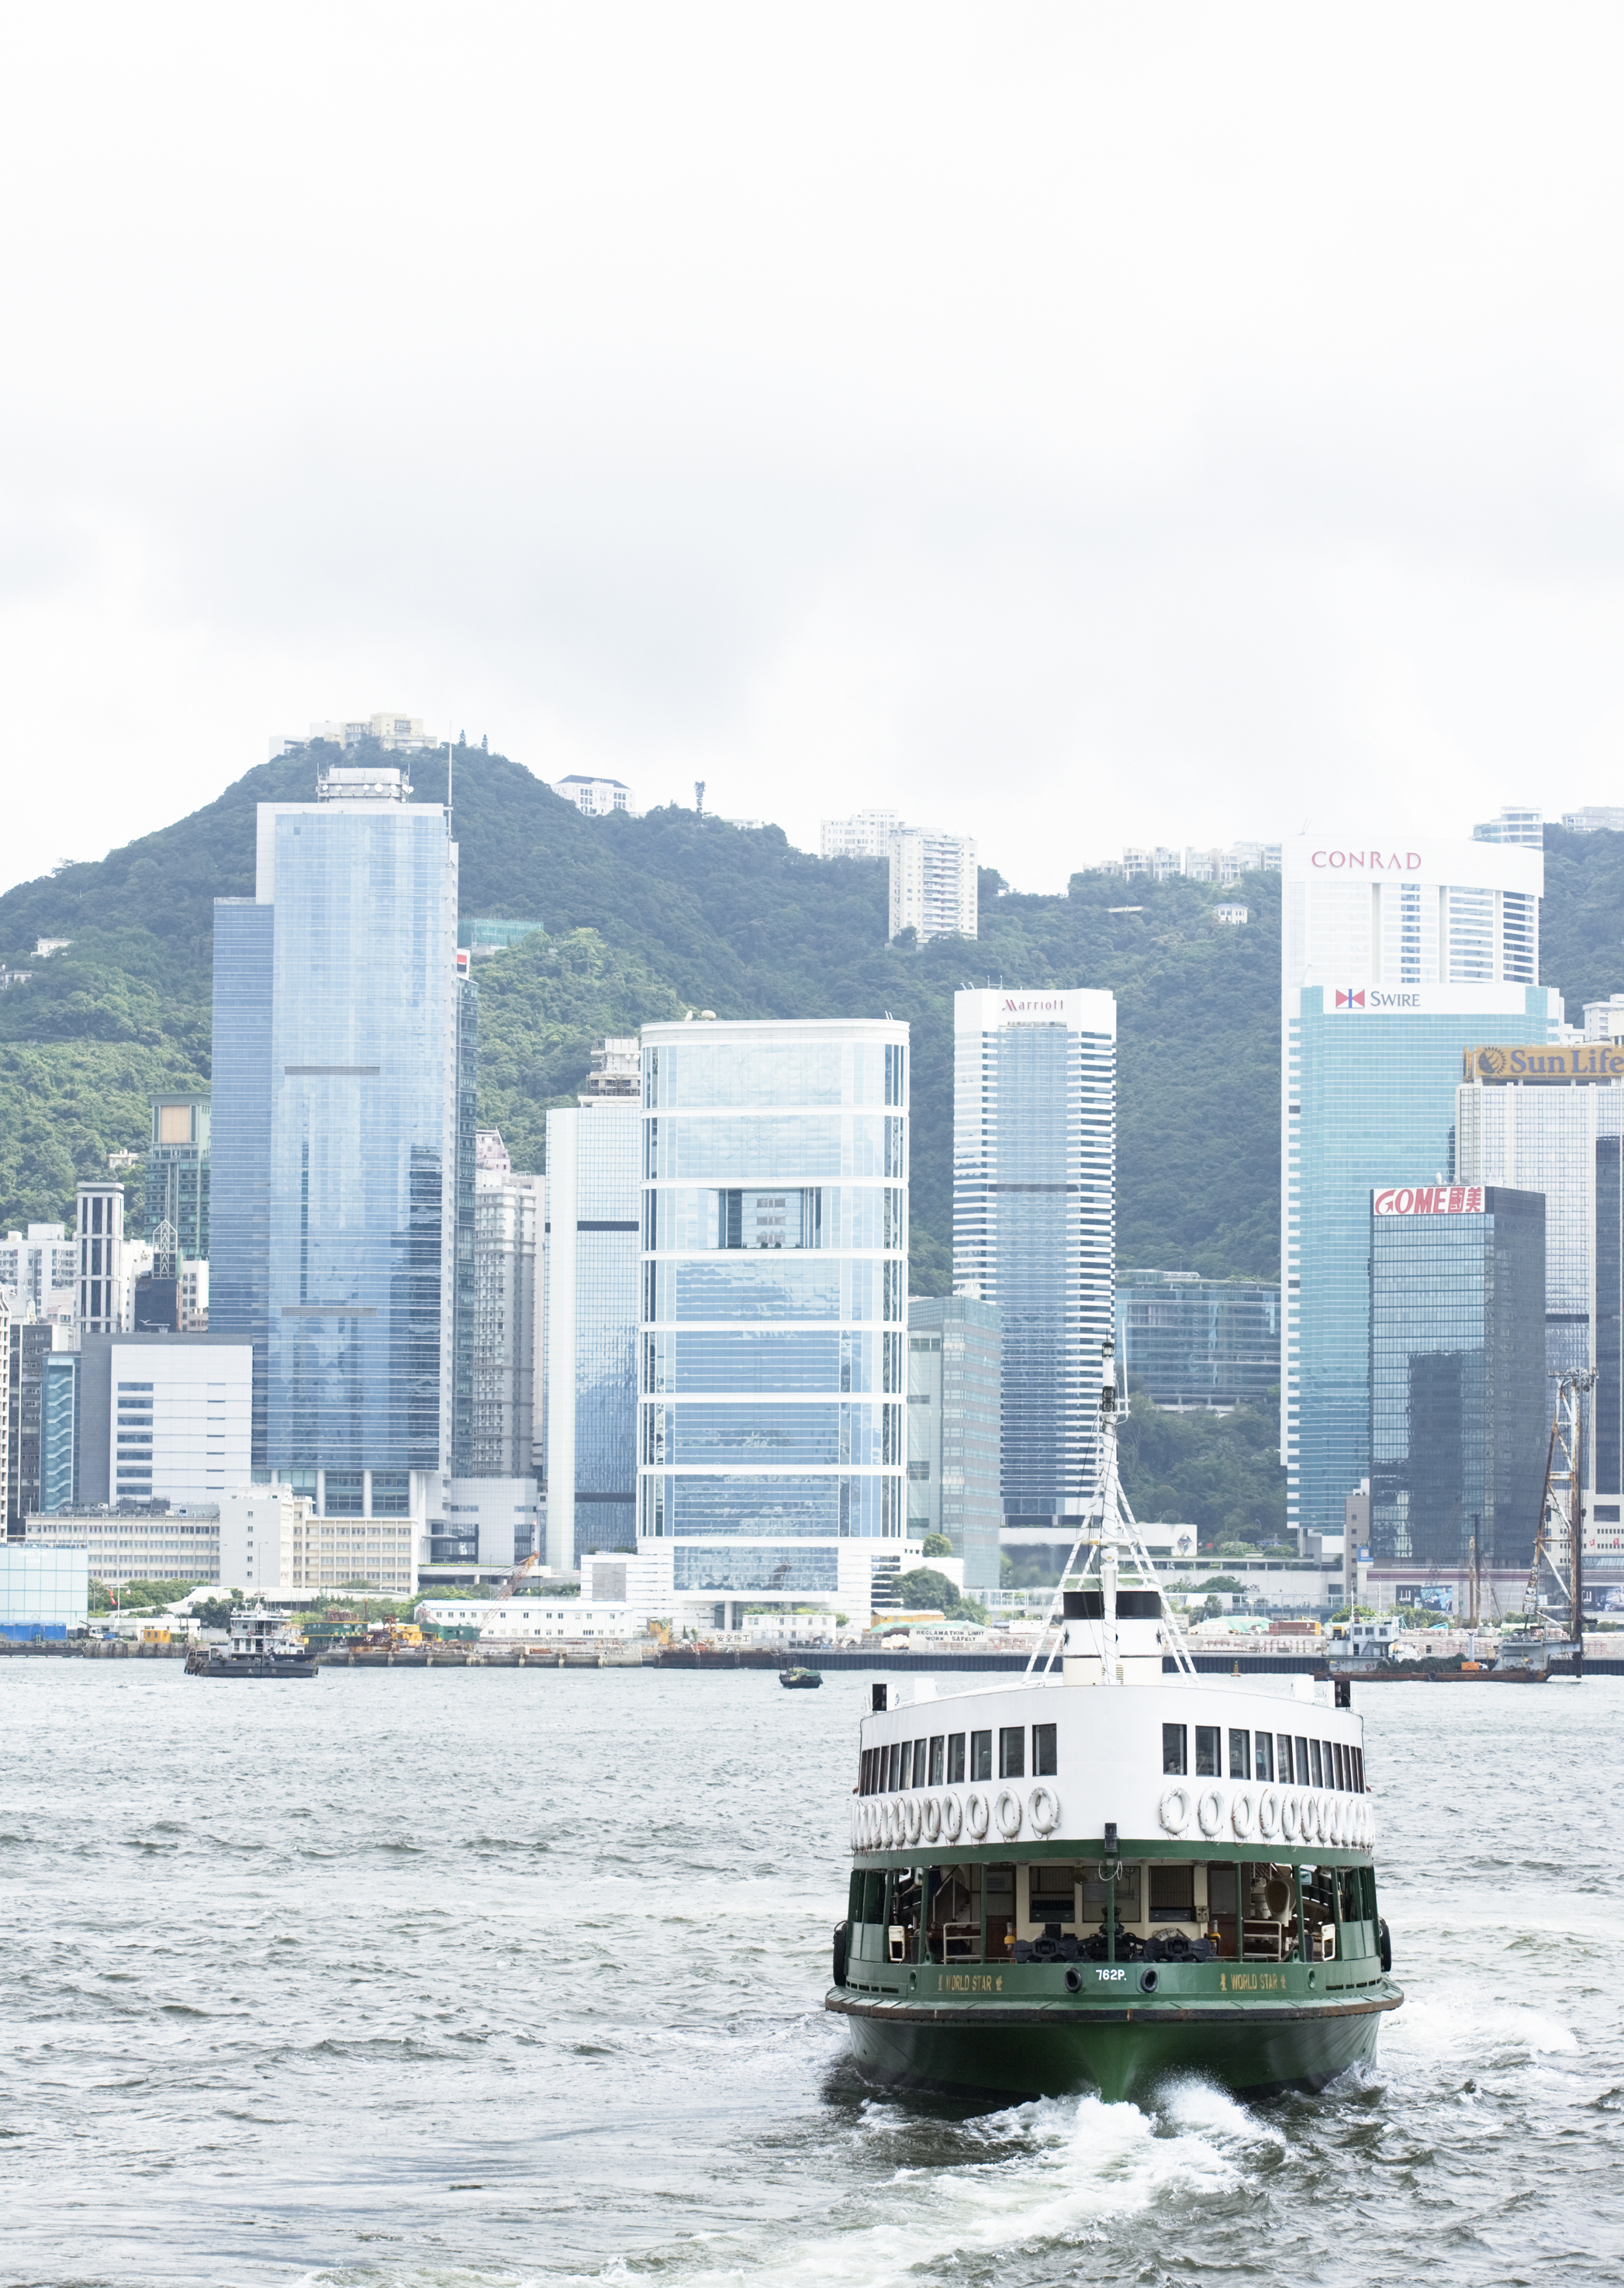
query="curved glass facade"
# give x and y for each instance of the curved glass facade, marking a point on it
(771, 1425)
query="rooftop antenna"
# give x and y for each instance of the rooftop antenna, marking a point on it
(451, 768)
(699, 796)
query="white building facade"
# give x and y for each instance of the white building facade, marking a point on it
(933, 883)
(38, 1272)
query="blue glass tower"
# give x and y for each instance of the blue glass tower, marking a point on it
(773, 1446)
(589, 1422)
(1034, 1228)
(333, 1142)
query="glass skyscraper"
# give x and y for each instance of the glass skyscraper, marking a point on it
(1187, 1341)
(1458, 1414)
(589, 1422)
(177, 1172)
(333, 1142)
(1396, 957)
(1034, 1228)
(772, 1443)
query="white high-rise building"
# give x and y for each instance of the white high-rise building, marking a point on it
(38, 1272)
(933, 883)
(106, 1270)
(508, 1206)
(1034, 1228)
(866, 834)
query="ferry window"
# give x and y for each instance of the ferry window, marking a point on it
(1359, 1771)
(874, 1898)
(1367, 1877)
(893, 1767)
(1011, 1752)
(1302, 1763)
(1172, 1894)
(1223, 1907)
(981, 1755)
(1350, 1905)
(1282, 1759)
(918, 1776)
(854, 1895)
(1313, 1750)
(1265, 1755)
(1330, 1766)
(1051, 1893)
(1240, 1755)
(955, 1758)
(936, 1760)
(1208, 1765)
(999, 1886)
(1342, 1767)
(1044, 1763)
(1175, 1753)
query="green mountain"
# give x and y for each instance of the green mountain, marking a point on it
(645, 917)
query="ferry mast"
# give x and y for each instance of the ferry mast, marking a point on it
(1110, 1535)
(1558, 1547)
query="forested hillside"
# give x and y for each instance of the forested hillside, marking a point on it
(645, 916)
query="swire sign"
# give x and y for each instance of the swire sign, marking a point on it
(1427, 1199)
(1371, 996)
(1537, 1063)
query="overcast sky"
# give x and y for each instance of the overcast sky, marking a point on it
(1064, 425)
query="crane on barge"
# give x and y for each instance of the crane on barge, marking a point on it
(1555, 1576)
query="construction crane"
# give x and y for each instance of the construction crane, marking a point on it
(518, 1575)
(1558, 1547)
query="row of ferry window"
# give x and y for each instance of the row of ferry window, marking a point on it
(1294, 1761)
(940, 1761)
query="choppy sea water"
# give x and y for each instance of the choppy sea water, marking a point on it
(486, 1977)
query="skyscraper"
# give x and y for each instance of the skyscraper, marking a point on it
(772, 1448)
(590, 1425)
(1457, 1395)
(1397, 953)
(334, 1146)
(178, 1171)
(1034, 1228)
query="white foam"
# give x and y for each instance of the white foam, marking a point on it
(1084, 2163)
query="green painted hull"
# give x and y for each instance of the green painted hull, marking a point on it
(1054, 2049)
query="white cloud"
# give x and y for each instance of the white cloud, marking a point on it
(1067, 426)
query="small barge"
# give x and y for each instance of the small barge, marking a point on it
(259, 1644)
(1092, 1879)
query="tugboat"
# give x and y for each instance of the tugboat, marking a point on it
(261, 1644)
(800, 1680)
(1090, 1880)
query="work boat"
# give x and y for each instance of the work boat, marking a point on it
(1102, 1873)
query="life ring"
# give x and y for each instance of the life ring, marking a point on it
(930, 1818)
(977, 1813)
(1174, 1809)
(1008, 1813)
(863, 1826)
(1291, 1816)
(1268, 1811)
(953, 1818)
(1043, 1810)
(1322, 1819)
(894, 1830)
(1339, 1821)
(1209, 1809)
(1241, 1812)
(911, 1818)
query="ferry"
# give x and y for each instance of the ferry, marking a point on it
(1103, 1873)
(259, 1644)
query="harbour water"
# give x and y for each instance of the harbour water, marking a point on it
(471, 1977)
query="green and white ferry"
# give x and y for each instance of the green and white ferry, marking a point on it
(1102, 1873)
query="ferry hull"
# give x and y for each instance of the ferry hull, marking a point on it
(1043, 2052)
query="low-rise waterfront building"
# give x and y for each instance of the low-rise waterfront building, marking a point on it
(44, 1591)
(135, 1544)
